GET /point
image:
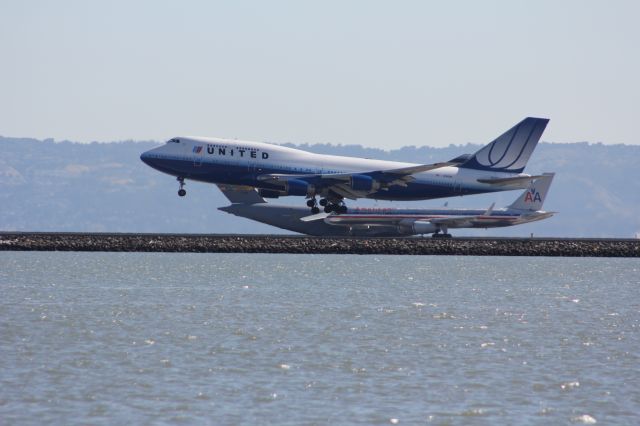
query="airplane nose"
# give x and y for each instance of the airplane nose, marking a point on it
(146, 158)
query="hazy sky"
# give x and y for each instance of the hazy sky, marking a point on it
(380, 74)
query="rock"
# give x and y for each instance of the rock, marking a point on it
(318, 245)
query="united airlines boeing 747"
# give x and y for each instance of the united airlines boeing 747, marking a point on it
(279, 171)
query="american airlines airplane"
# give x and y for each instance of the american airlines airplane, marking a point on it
(279, 171)
(385, 222)
(377, 222)
(527, 208)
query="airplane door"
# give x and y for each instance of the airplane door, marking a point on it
(254, 166)
(198, 155)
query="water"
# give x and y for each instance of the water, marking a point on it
(97, 338)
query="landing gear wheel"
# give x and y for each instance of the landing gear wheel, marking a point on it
(181, 191)
(323, 202)
(341, 209)
(313, 203)
(328, 208)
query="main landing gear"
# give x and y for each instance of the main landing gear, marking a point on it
(313, 204)
(181, 192)
(328, 206)
(444, 234)
(335, 207)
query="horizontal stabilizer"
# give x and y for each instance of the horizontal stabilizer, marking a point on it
(519, 181)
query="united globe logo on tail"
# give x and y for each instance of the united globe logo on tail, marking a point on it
(511, 150)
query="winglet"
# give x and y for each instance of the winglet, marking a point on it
(489, 210)
(313, 217)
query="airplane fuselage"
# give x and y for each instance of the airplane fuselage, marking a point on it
(233, 162)
(477, 218)
(380, 222)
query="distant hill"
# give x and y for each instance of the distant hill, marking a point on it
(65, 186)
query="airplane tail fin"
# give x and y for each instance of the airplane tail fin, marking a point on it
(533, 197)
(510, 151)
(241, 194)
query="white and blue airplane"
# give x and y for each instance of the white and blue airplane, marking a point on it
(280, 171)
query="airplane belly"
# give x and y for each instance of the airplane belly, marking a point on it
(233, 174)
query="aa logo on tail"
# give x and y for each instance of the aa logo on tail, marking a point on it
(532, 197)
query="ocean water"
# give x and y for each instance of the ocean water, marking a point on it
(113, 338)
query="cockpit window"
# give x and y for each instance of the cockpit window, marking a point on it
(174, 140)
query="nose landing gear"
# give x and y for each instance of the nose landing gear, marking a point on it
(181, 192)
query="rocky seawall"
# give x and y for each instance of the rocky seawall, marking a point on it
(189, 243)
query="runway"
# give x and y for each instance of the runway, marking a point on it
(298, 244)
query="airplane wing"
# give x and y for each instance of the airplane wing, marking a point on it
(343, 183)
(464, 221)
(361, 219)
(241, 194)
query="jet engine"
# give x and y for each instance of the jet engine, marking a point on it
(422, 227)
(417, 227)
(298, 187)
(363, 183)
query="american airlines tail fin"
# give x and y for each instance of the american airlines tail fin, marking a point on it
(533, 197)
(241, 194)
(510, 151)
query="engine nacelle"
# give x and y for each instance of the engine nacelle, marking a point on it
(363, 183)
(417, 227)
(268, 193)
(422, 227)
(298, 187)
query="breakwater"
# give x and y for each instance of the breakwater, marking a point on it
(213, 243)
